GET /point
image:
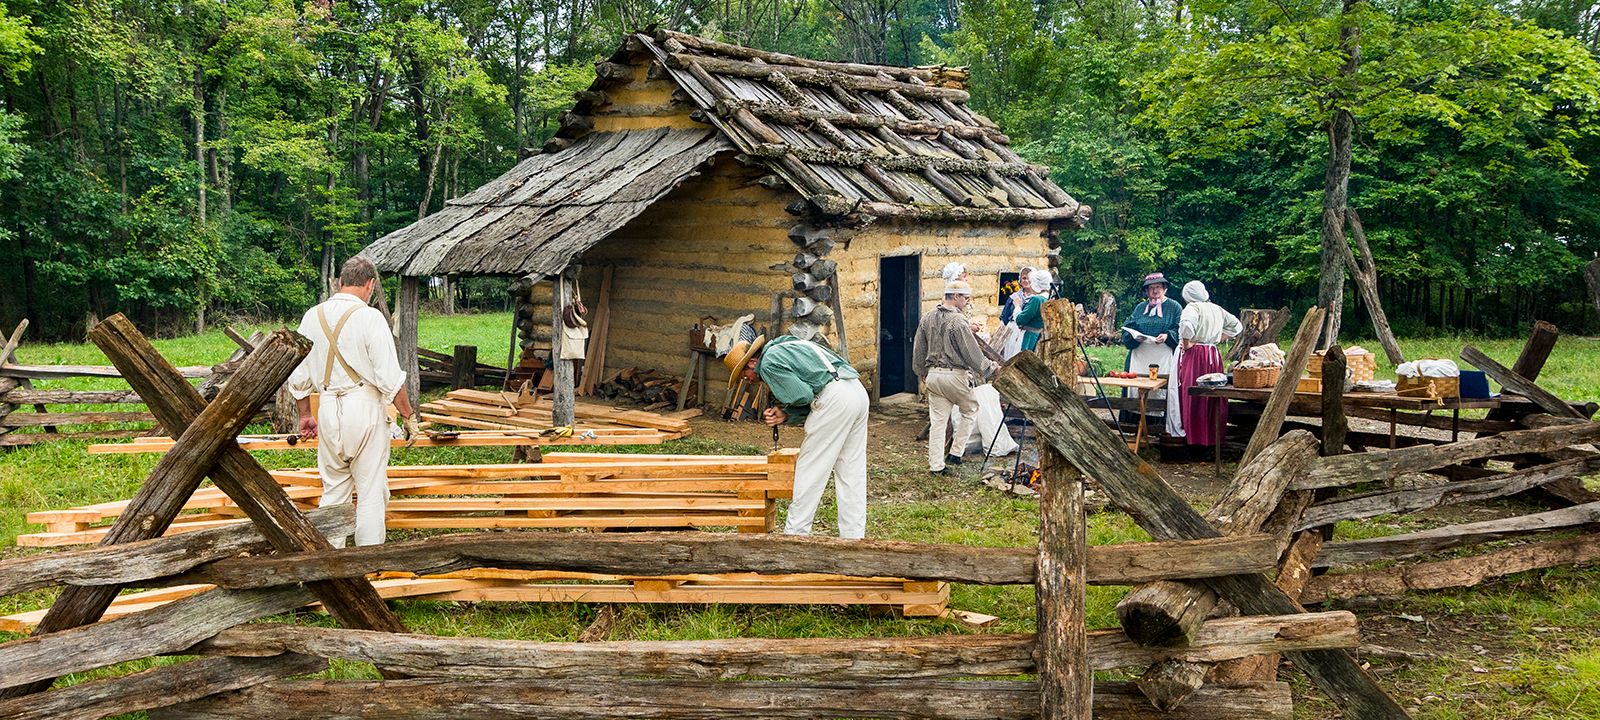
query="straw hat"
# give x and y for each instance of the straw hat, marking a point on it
(739, 356)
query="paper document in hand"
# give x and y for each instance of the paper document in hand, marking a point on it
(1136, 335)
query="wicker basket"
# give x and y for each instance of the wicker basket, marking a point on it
(1309, 385)
(1255, 377)
(1438, 388)
(1363, 368)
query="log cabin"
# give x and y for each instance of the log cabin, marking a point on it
(703, 179)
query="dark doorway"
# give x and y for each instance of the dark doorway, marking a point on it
(899, 311)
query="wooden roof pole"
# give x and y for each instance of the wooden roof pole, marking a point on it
(563, 406)
(407, 307)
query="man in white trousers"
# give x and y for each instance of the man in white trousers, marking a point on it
(354, 369)
(814, 386)
(947, 357)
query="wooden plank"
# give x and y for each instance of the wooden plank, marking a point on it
(820, 658)
(657, 554)
(1518, 384)
(158, 687)
(58, 372)
(1380, 465)
(594, 365)
(1458, 572)
(465, 439)
(1063, 419)
(22, 396)
(578, 521)
(130, 563)
(440, 699)
(1277, 408)
(700, 594)
(1353, 507)
(1394, 547)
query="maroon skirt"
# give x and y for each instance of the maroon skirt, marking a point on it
(1201, 415)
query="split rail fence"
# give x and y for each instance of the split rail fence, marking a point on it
(282, 561)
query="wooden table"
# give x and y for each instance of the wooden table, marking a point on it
(1306, 403)
(1144, 385)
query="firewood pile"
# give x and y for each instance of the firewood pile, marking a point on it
(651, 388)
(1099, 326)
(482, 410)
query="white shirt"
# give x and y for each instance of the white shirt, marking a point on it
(365, 343)
(1206, 323)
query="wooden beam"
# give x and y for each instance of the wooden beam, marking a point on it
(175, 477)
(1380, 465)
(1395, 547)
(1065, 421)
(1458, 572)
(943, 656)
(562, 400)
(408, 310)
(1364, 505)
(157, 687)
(1334, 424)
(1518, 384)
(1271, 422)
(428, 699)
(688, 553)
(1530, 362)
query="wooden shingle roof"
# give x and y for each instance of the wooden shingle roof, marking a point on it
(850, 138)
(882, 140)
(550, 208)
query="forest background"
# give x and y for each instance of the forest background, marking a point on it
(183, 159)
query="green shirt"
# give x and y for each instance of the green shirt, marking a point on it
(794, 373)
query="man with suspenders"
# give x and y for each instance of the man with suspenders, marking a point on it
(354, 368)
(819, 389)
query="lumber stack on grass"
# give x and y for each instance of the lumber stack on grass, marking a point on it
(437, 369)
(484, 410)
(594, 491)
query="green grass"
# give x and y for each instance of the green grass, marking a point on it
(1541, 655)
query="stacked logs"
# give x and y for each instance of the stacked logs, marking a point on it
(531, 327)
(812, 277)
(645, 387)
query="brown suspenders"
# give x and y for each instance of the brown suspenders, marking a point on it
(332, 333)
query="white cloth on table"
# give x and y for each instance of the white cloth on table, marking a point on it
(990, 425)
(1140, 359)
(949, 390)
(352, 422)
(1428, 368)
(835, 442)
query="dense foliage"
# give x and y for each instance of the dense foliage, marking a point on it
(173, 159)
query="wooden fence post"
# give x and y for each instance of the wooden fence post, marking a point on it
(464, 367)
(1065, 421)
(1066, 683)
(180, 471)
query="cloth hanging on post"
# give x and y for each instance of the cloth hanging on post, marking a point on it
(574, 329)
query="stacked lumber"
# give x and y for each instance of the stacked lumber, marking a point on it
(596, 491)
(470, 438)
(651, 388)
(484, 410)
(913, 598)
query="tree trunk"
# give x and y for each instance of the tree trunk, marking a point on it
(198, 114)
(1336, 185)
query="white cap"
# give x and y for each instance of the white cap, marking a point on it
(957, 287)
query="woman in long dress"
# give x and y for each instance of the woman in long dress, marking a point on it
(1031, 319)
(1008, 314)
(1201, 326)
(1151, 336)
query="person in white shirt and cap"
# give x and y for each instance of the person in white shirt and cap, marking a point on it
(1201, 326)
(354, 369)
(946, 355)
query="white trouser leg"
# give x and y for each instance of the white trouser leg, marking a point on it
(850, 470)
(989, 432)
(353, 455)
(949, 389)
(835, 433)
(938, 421)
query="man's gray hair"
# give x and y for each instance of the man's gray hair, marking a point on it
(357, 271)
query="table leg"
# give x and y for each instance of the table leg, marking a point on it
(1221, 436)
(1138, 436)
(1394, 418)
(1455, 424)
